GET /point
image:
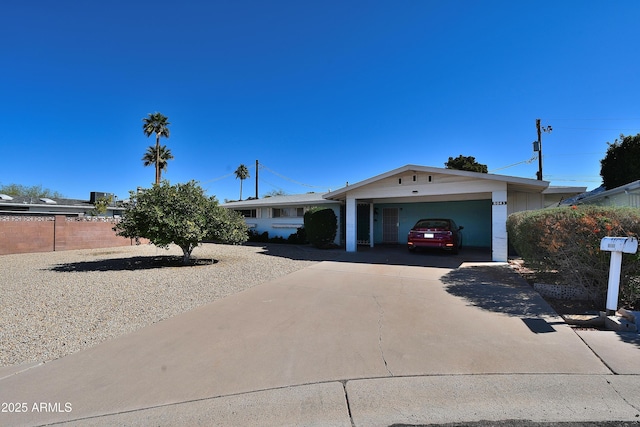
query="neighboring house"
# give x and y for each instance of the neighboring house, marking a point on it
(382, 209)
(558, 196)
(281, 215)
(625, 195)
(21, 205)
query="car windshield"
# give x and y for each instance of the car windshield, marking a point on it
(433, 223)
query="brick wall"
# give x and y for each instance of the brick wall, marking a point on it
(26, 234)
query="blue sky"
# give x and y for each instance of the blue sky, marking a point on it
(320, 92)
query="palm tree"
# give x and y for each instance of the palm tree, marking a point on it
(242, 173)
(163, 154)
(158, 124)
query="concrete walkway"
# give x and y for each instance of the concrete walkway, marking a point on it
(344, 343)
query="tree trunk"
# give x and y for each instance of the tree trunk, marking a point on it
(186, 254)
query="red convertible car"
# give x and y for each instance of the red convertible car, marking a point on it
(441, 233)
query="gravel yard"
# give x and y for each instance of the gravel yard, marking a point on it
(58, 303)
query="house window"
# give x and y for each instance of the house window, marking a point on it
(248, 213)
(288, 212)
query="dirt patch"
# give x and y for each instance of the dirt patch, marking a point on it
(561, 306)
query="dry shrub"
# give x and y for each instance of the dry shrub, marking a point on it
(567, 240)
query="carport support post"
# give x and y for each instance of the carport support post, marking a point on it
(351, 226)
(371, 218)
(499, 247)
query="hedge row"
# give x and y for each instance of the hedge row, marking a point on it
(567, 240)
(321, 225)
(297, 238)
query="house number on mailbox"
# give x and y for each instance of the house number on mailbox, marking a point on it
(499, 203)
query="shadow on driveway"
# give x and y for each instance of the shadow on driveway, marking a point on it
(381, 254)
(497, 288)
(630, 338)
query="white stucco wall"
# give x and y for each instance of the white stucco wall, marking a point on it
(284, 227)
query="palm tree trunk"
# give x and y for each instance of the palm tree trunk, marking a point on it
(241, 188)
(157, 158)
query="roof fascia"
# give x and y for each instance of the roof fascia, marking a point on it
(564, 190)
(429, 169)
(265, 203)
(627, 187)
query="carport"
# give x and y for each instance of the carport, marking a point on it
(383, 208)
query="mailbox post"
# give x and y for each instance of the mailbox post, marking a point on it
(616, 245)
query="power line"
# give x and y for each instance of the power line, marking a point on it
(277, 187)
(227, 175)
(219, 178)
(515, 164)
(602, 153)
(615, 129)
(592, 119)
(262, 166)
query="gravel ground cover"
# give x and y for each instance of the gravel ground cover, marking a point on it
(57, 303)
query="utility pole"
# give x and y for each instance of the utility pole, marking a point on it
(539, 150)
(256, 179)
(537, 145)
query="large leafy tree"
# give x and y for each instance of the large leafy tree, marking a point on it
(621, 164)
(158, 157)
(181, 214)
(466, 163)
(274, 193)
(242, 173)
(35, 191)
(158, 124)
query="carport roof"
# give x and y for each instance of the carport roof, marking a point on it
(532, 184)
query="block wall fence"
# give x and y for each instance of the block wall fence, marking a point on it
(27, 234)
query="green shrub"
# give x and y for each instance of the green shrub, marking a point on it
(181, 214)
(567, 240)
(277, 239)
(298, 238)
(321, 226)
(256, 237)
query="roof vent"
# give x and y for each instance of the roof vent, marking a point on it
(48, 201)
(5, 197)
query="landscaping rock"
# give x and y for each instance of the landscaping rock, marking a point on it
(585, 320)
(567, 292)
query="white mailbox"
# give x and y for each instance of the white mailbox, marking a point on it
(616, 245)
(628, 245)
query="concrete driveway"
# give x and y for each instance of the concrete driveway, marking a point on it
(342, 342)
